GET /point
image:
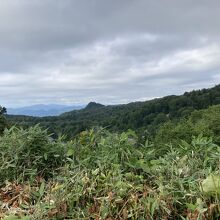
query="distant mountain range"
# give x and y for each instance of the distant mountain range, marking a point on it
(43, 110)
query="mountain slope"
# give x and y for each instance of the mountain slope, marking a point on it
(140, 116)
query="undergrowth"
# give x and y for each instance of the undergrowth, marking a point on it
(101, 175)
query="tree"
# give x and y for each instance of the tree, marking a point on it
(3, 110)
(3, 123)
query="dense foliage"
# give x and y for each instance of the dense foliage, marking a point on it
(103, 175)
(205, 122)
(143, 117)
(27, 153)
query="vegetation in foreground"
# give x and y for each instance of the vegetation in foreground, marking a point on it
(103, 175)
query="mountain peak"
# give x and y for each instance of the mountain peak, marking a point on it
(94, 105)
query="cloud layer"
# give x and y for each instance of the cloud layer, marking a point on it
(116, 51)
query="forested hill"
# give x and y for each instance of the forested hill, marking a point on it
(141, 116)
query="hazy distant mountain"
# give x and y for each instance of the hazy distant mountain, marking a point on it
(43, 110)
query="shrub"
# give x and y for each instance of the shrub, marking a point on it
(29, 153)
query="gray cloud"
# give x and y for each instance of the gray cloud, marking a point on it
(116, 51)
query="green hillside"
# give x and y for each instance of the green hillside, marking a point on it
(144, 117)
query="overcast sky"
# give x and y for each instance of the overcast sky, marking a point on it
(108, 51)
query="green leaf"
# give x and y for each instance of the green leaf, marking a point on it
(95, 172)
(41, 190)
(45, 156)
(211, 185)
(70, 152)
(14, 217)
(191, 206)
